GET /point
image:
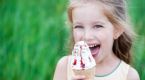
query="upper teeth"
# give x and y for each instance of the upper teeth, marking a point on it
(93, 45)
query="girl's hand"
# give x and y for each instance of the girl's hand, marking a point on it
(78, 77)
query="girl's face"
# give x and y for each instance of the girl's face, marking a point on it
(92, 26)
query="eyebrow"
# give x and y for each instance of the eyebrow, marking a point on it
(95, 22)
(98, 22)
(77, 23)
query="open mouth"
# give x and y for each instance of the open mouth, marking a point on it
(94, 50)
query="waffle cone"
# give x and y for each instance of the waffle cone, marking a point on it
(89, 73)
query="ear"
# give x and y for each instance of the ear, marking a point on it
(117, 32)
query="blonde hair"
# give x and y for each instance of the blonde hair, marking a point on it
(115, 11)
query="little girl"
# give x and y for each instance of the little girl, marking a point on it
(102, 24)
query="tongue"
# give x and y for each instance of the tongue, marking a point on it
(94, 50)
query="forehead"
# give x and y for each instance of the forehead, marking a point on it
(88, 13)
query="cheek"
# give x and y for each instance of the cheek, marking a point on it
(106, 39)
(101, 35)
(105, 36)
(77, 35)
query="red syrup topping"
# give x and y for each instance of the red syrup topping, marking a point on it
(82, 64)
(75, 62)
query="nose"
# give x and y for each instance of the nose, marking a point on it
(88, 36)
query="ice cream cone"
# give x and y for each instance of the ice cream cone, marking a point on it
(82, 61)
(88, 73)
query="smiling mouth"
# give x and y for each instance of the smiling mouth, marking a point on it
(95, 50)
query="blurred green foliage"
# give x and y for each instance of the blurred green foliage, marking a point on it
(137, 13)
(33, 36)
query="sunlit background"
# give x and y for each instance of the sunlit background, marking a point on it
(33, 35)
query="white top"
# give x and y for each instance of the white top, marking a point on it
(120, 73)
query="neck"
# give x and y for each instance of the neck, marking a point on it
(108, 59)
(107, 65)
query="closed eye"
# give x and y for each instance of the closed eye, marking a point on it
(98, 26)
(78, 26)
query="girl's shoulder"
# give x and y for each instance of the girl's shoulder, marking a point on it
(132, 74)
(62, 61)
(61, 69)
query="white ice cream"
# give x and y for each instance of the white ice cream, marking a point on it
(82, 57)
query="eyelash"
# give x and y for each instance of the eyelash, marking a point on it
(78, 26)
(98, 26)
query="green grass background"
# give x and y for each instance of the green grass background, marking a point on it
(33, 36)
